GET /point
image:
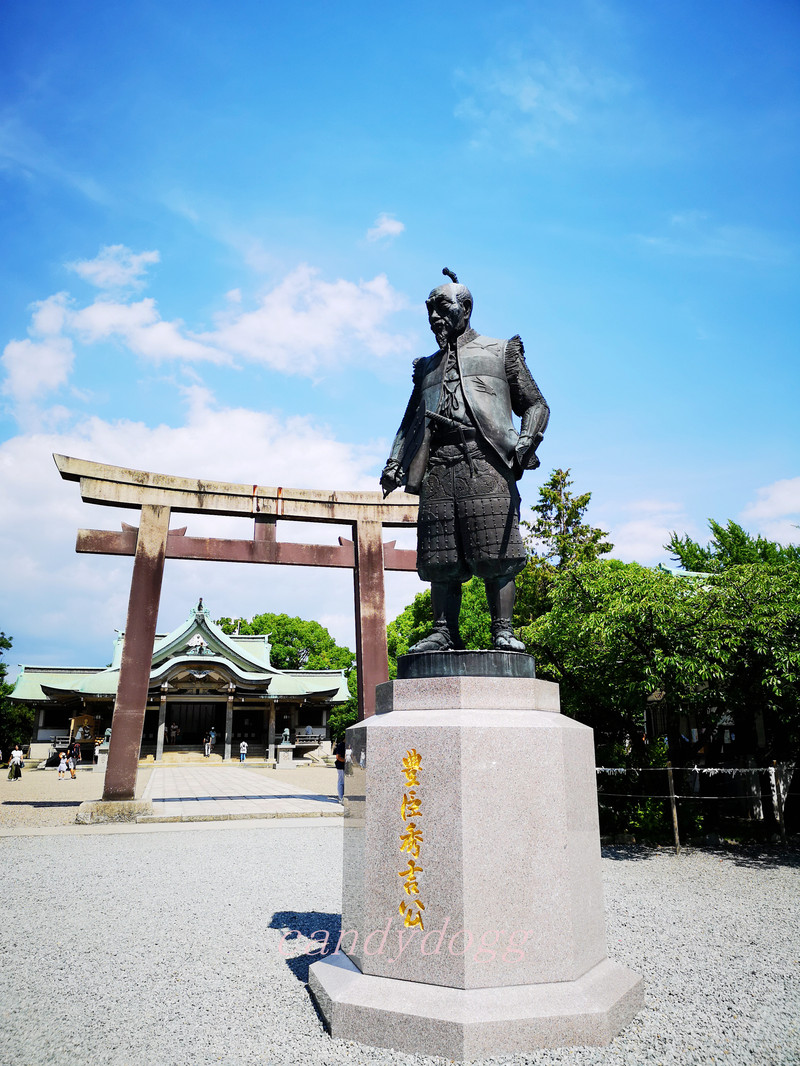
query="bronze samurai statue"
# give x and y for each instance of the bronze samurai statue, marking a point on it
(458, 448)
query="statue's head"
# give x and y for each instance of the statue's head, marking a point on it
(449, 309)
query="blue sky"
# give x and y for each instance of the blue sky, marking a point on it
(220, 226)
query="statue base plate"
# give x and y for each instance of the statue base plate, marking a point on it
(490, 663)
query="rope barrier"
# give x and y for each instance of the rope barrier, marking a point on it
(776, 797)
(710, 770)
(650, 795)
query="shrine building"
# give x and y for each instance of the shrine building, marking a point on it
(200, 678)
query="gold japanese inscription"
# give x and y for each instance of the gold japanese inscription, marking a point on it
(411, 841)
(411, 765)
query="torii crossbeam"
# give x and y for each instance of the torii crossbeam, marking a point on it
(158, 495)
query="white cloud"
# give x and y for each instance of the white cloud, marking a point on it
(642, 537)
(140, 327)
(36, 366)
(385, 227)
(302, 325)
(305, 325)
(776, 511)
(115, 267)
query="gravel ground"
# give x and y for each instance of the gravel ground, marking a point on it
(161, 945)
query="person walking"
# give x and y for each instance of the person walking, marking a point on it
(206, 745)
(15, 764)
(62, 765)
(339, 755)
(243, 751)
(71, 766)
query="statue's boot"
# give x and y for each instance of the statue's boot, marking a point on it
(438, 640)
(500, 594)
(503, 638)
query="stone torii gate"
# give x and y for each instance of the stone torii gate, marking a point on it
(158, 495)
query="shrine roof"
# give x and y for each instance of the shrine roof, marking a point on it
(197, 645)
(32, 679)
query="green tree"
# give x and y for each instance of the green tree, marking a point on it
(16, 720)
(557, 537)
(558, 533)
(416, 621)
(346, 714)
(730, 545)
(721, 644)
(615, 634)
(724, 645)
(296, 642)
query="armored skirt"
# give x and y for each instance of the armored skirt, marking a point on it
(468, 520)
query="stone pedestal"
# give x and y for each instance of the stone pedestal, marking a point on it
(473, 919)
(284, 756)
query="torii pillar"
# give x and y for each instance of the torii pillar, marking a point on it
(158, 495)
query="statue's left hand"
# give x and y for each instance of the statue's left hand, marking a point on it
(525, 454)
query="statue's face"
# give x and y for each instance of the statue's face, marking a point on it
(447, 315)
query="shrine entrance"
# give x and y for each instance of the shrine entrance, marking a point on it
(188, 722)
(156, 496)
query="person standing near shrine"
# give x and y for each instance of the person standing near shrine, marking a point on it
(62, 765)
(243, 751)
(15, 764)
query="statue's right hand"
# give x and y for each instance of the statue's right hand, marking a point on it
(390, 478)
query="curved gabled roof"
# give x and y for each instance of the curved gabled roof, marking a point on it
(197, 643)
(199, 625)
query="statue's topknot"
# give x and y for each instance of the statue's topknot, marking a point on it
(455, 288)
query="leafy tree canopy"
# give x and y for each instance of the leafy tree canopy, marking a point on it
(558, 532)
(416, 621)
(16, 720)
(296, 642)
(730, 545)
(5, 645)
(340, 718)
(618, 634)
(558, 536)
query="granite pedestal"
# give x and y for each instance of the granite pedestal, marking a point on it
(284, 756)
(472, 919)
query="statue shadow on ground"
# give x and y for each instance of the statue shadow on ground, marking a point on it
(310, 925)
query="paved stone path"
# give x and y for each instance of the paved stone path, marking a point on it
(206, 793)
